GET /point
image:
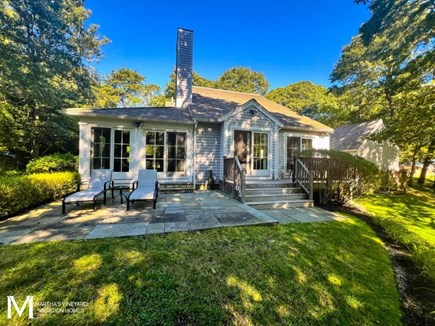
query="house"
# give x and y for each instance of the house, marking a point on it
(355, 139)
(185, 141)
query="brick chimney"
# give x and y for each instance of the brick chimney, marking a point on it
(183, 87)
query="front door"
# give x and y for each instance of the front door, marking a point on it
(242, 143)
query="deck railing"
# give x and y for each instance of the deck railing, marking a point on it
(303, 177)
(328, 169)
(234, 178)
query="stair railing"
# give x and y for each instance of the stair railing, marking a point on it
(234, 178)
(303, 177)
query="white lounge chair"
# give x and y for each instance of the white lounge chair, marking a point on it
(99, 184)
(145, 188)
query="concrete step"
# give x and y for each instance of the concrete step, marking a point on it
(273, 191)
(281, 204)
(275, 197)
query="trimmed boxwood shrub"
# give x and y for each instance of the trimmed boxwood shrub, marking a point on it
(52, 163)
(20, 192)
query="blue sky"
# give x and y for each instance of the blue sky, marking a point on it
(288, 41)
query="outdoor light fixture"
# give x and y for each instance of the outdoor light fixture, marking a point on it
(137, 124)
(253, 112)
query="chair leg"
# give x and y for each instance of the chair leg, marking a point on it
(63, 206)
(105, 198)
(154, 203)
(128, 204)
(95, 205)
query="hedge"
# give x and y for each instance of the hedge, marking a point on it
(18, 193)
(53, 163)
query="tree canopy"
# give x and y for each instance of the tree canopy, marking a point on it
(389, 68)
(309, 99)
(124, 88)
(243, 79)
(44, 50)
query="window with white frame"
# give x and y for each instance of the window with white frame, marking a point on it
(110, 149)
(166, 151)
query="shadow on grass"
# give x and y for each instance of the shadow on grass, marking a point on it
(324, 273)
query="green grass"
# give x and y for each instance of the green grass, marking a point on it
(410, 219)
(335, 273)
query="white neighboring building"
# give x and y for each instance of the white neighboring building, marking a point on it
(355, 139)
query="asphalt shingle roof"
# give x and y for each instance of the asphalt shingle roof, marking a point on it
(208, 104)
(350, 137)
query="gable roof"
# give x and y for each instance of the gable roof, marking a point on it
(350, 137)
(208, 104)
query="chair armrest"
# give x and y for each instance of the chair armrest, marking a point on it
(134, 185)
(108, 185)
(81, 183)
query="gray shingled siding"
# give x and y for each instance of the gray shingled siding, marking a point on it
(184, 68)
(246, 121)
(208, 151)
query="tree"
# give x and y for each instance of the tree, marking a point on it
(242, 79)
(124, 88)
(388, 68)
(310, 100)
(197, 80)
(44, 50)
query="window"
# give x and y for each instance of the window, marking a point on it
(307, 144)
(155, 149)
(101, 148)
(176, 152)
(260, 151)
(121, 154)
(166, 152)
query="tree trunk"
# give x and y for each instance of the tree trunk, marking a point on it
(426, 163)
(414, 158)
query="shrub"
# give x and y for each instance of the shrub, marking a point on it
(344, 176)
(20, 192)
(52, 163)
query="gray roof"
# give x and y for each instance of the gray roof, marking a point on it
(169, 114)
(350, 137)
(208, 105)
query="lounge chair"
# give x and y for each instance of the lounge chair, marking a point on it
(99, 184)
(145, 188)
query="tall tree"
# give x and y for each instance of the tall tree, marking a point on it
(389, 67)
(44, 50)
(124, 88)
(243, 79)
(309, 99)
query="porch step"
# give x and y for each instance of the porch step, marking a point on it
(273, 191)
(282, 204)
(274, 197)
(270, 184)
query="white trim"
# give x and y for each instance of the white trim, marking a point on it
(247, 105)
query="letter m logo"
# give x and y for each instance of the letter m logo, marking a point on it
(12, 302)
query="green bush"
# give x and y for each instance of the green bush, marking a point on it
(52, 163)
(20, 192)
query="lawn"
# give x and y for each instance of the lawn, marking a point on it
(409, 219)
(415, 210)
(333, 273)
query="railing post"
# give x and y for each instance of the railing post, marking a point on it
(310, 196)
(234, 178)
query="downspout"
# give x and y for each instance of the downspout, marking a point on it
(195, 128)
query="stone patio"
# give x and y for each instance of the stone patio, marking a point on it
(174, 213)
